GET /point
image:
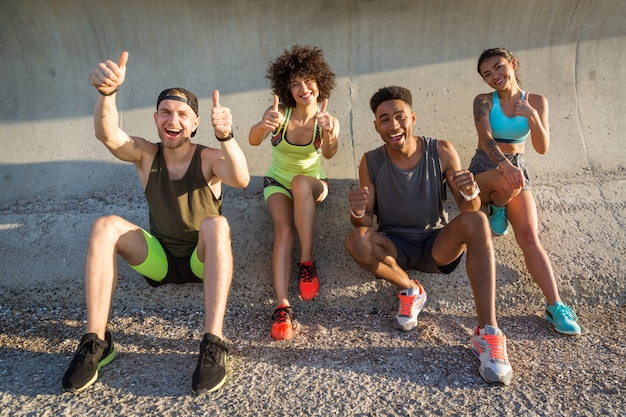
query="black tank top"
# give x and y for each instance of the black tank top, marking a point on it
(178, 206)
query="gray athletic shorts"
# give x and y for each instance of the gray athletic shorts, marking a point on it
(481, 163)
(415, 252)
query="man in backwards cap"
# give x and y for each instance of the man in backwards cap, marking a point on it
(189, 241)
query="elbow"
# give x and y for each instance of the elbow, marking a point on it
(542, 150)
(243, 180)
(101, 136)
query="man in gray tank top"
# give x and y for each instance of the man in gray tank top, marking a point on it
(403, 183)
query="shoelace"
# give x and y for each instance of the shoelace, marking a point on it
(306, 273)
(496, 345)
(210, 354)
(281, 315)
(85, 352)
(562, 309)
(406, 304)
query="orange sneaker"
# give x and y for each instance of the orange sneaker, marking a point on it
(282, 327)
(309, 282)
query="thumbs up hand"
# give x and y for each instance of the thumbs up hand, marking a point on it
(523, 107)
(324, 119)
(273, 118)
(221, 118)
(108, 76)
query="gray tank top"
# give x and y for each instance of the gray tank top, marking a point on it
(408, 201)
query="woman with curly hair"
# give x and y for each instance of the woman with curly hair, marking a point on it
(505, 119)
(301, 131)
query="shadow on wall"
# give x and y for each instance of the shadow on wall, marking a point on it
(52, 236)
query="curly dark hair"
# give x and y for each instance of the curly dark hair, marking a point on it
(390, 93)
(300, 61)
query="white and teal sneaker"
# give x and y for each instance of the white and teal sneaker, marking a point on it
(563, 318)
(498, 222)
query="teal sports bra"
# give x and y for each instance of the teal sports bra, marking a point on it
(507, 129)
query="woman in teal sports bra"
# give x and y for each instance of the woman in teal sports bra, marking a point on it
(504, 120)
(301, 131)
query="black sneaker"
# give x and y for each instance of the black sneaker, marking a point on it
(91, 355)
(210, 374)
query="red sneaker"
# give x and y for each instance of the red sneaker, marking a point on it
(309, 282)
(282, 327)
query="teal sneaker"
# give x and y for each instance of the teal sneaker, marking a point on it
(563, 318)
(497, 220)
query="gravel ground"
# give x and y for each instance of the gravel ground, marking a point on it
(346, 360)
(342, 363)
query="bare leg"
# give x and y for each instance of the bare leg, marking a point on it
(522, 213)
(215, 251)
(470, 231)
(281, 210)
(306, 193)
(109, 237)
(377, 255)
(494, 188)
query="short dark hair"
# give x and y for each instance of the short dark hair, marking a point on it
(390, 93)
(182, 95)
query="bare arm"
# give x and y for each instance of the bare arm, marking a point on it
(107, 78)
(362, 199)
(486, 142)
(330, 131)
(482, 106)
(535, 108)
(272, 119)
(458, 179)
(229, 164)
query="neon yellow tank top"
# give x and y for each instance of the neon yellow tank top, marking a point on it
(289, 160)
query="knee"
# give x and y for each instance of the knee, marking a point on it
(505, 190)
(107, 226)
(300, 187)
(526, 237)
(283, 230)
(214, 228)
(356, 242)
(475, 222)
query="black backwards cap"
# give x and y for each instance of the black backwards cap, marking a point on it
(182, 95)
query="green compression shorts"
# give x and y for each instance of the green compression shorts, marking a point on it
(159, 262)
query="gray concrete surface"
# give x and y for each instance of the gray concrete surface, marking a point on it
(55, 178)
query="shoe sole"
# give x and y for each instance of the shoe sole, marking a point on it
(103, 362)
(499, 234)
(208, 391)
(488, 376)
(506, 232)
(563, 332)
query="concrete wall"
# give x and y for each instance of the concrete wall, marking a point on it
(55, 178)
